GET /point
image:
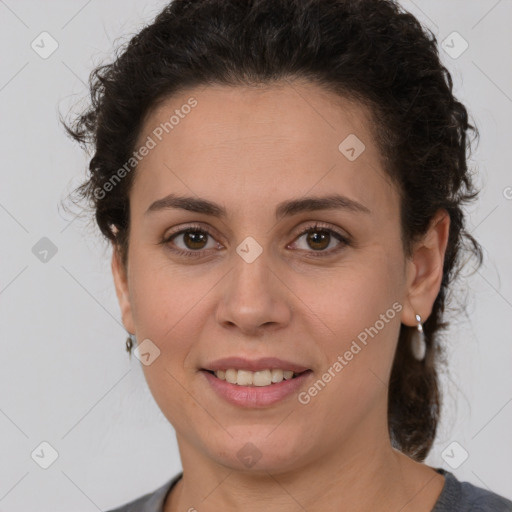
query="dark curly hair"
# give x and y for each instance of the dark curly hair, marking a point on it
(368, 50)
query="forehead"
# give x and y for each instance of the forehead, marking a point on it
(278, 140)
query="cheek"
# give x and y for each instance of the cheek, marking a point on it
(357, 307)
(362, 313)
(165, 297)
(169, 309)
(353, 296)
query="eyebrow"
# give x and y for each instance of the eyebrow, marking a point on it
(284, 209)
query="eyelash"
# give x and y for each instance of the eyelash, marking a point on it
(311, 228)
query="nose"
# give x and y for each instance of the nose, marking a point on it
(254, 298)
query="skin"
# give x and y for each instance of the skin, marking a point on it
(249, 149)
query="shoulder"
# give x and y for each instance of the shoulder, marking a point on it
(150, 502)
(460, 496)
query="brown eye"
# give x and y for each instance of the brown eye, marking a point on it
(190, 242)
(194, 239)
(318, 239)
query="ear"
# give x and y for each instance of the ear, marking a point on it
(425, 269)
(121, 283)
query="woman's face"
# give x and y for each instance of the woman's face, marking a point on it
(257, 285)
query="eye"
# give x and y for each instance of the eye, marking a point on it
(320, 238)
(194, 240)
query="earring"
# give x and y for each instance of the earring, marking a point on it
(129, 345)
(419, 346)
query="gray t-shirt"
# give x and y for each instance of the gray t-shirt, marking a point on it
(456, 496)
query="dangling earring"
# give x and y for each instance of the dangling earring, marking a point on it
(419, 346)
(129, 345)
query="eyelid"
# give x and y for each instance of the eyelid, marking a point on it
(189, 227)
(315, 224)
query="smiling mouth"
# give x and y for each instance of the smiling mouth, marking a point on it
(257, 379)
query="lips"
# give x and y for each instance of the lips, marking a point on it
(254, 396)
(253, 388)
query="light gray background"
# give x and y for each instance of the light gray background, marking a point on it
(65, 377)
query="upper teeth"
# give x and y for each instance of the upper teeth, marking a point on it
(247, 378)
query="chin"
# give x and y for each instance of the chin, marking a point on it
(263, 452)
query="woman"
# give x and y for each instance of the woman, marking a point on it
(282, 183)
